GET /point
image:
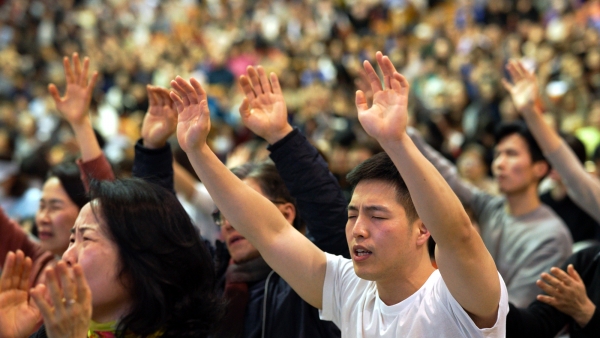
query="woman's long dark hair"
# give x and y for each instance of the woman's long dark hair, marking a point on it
(163, 262)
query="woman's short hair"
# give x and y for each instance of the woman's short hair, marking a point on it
(70, 178)
(163, 262)
(270, 182)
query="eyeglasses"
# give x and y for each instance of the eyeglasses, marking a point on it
(219, 219)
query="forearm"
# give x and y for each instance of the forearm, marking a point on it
(154, 165)
(581, 186)
(87, 141)
(437, 205)
(539, 320)
(237, 201)
(184, 181)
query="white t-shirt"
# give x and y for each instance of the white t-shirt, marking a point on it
(353, 304)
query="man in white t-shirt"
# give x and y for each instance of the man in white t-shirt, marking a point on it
(389, 288)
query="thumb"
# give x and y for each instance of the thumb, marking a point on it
(361, 101)
(245, 109)
(54, 93)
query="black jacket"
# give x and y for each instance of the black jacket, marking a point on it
(541, 320)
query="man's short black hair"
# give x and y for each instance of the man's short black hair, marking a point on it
(381, 168)
(519, 127)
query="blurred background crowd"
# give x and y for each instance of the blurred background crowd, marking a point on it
(452, 52)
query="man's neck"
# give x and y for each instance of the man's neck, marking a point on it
(394, 290)
(523, 202)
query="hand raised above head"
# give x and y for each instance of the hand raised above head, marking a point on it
(69, 312)
(263, 110)
(193, 120)
(18, 316)
(75, 103)
(524, 89)
(160, 122)
(387, 118)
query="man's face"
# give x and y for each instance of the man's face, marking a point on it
(382, 243)
(513, 167)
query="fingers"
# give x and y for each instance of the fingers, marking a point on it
(68, 71)
(27, 266)
(93, 81)
(9, 266)
(373, 77)
(77, 67)
(56, 294)
(200, 93)
(561, 276)
(83, 290)
(387, 68)
(177, 101)
(151, 95)
(573, 273)
(276, 87)
(264, 81)
(247, 87)
(180, 90)
(547, 299)
(45, 308)
(66, 283)
(254, 80)
(547, 288)
(507, 85)
(84, 73)
(400, 84)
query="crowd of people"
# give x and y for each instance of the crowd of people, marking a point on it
(267, 197)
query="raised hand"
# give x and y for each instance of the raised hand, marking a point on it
(70, 310)
(387, 118)
(566, 292)
(524, 89)
(74, 105)
(160, 122)
(193, 120)
(263, 110)
(18, 315)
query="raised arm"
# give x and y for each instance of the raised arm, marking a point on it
(74, 107)
(153, 160)
(581, 187)
(464, 263)
(319, 197)
(286, 250)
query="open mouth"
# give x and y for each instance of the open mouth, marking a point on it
(42, 235)
(361, 252)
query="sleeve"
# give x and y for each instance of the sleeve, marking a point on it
(13, 238)
(464, 320)
(469, 195)
(154, 165)
(333, 294)
(97, 169)
(319, 197)
(554, 251)
(581, 186)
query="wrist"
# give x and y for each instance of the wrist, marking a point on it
(583, 318)
(279, 135)
(152, 144)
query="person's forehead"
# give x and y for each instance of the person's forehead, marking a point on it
(377, 192)
(513, 141)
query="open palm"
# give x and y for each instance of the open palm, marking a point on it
(387, 118)
(524, 89)
(160, 122)
(263, 110)
(18, 316)
(193, 121)
(74, 105)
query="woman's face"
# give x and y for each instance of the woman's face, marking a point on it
(98, 255)
(55, 217)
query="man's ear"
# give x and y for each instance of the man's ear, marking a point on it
(423, 234)
(541, 169)
(289, 211)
